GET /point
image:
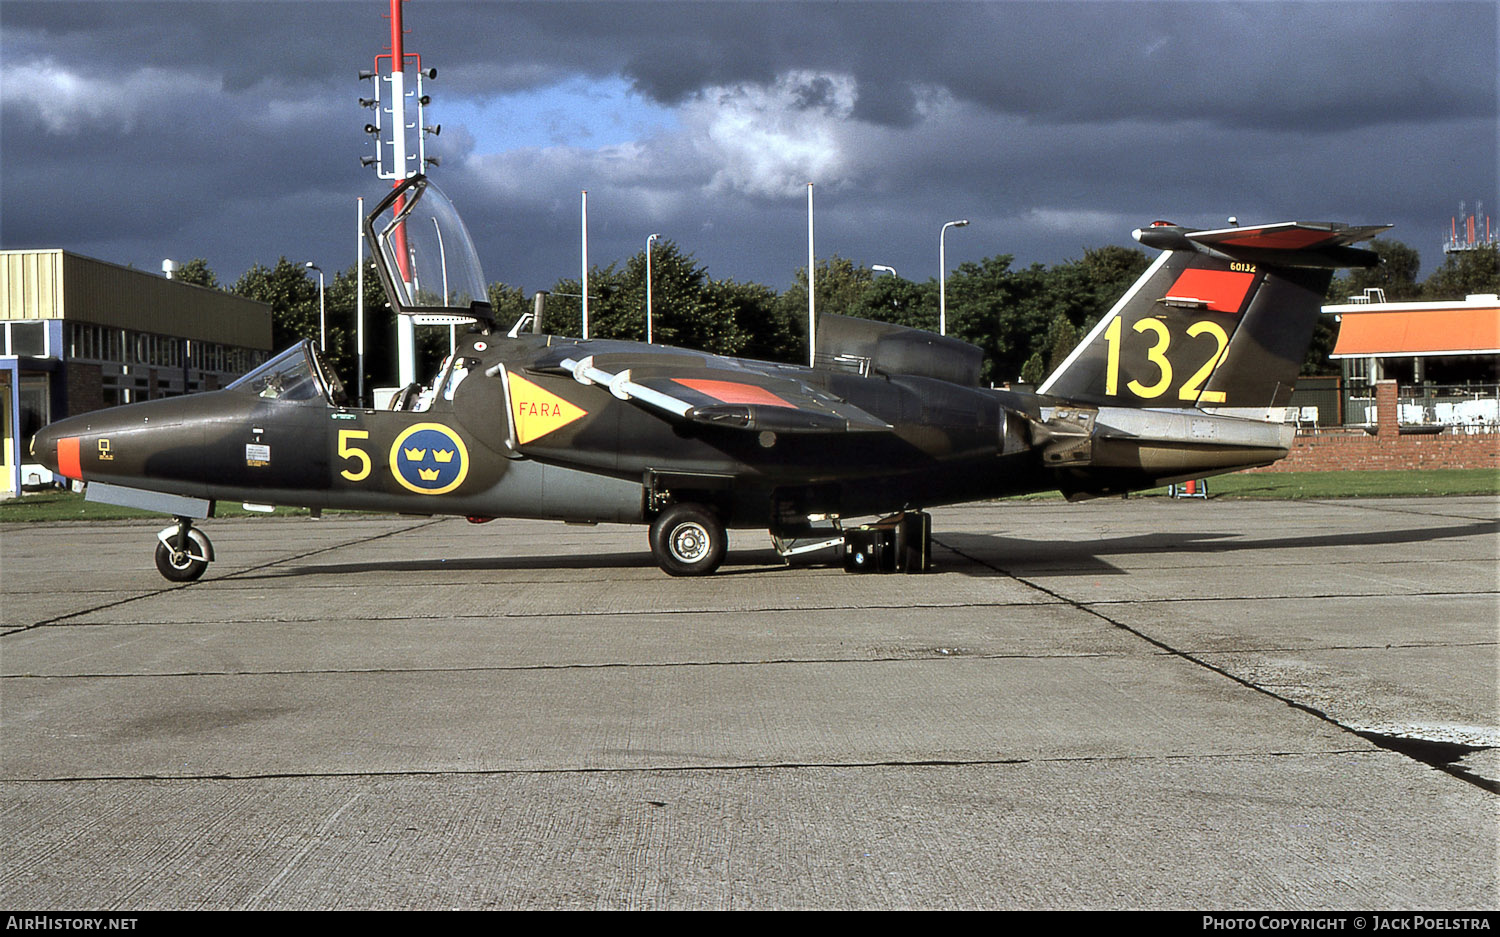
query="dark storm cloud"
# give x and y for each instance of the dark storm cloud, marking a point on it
(1348, 63)
(135, 131)
(244, 42)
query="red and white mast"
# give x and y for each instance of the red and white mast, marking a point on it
(396, 158)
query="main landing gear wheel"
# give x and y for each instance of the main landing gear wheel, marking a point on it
(183, 553)
(688, 540)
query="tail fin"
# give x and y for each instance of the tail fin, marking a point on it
(1222, 319)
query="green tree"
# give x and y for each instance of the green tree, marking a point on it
(1396, 274)
(198, 273)
(1464, 273)
(684, 309)
(293, 298)
(841, 285)
(762, 333)
(996, 308)
(509, 304)
(379, 329)
(900, 301)
(1033, 372)
(291, 294)
(770, 333)
(1061, 339)
(688, 309)
(1014, 314)
(1316, 362)
(564, 314)
(1108, 273)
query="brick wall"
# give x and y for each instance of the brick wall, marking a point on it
(85, 390)
(1346, 450)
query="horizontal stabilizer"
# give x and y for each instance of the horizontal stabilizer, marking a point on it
(1285, 244)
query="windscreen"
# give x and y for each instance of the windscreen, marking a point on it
(427, 254)
(288, 376)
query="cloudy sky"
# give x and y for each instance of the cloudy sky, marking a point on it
(232, 130)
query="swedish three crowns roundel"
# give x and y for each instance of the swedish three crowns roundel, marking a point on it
(430, 459)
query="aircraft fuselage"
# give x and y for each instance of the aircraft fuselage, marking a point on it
(950, 444)
(1188, 375)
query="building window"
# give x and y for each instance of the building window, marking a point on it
(1357, 370)
(36, 411)
(28, 339)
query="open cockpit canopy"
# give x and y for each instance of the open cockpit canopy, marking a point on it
(425, 256)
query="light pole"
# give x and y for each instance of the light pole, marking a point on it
(812, 291)
(583, 276)
(359, 297)
(649, 242)
(887, 268)
(322, 321)
(943, 274)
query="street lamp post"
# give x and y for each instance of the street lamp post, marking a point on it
(359, 298)
(943, 274)
(649, 241)
(322, 320)
(583, 276)
(812, 290)
(887, 268)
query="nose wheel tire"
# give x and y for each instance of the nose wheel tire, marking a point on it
(688, 540)
(179, 565)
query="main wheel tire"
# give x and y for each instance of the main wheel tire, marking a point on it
(688, 540)
(178, 566)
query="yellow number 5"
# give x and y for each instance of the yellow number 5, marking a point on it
(346, 451)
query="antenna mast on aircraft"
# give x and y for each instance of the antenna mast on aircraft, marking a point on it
(395, 158)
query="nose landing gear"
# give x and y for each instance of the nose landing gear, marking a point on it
(183, 552)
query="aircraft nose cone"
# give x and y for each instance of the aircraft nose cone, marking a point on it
(56, 446)
(44, 446)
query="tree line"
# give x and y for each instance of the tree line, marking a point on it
(1027, 319)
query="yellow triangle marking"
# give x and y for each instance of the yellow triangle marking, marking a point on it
(535, 412)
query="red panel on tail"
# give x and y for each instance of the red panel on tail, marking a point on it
(1293, 239)
(1222, 290)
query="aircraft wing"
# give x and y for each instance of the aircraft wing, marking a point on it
(734, 398)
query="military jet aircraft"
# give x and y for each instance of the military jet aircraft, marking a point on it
(1187, 376)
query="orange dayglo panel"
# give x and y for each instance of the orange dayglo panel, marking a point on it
(735, 392)
(1419, 332)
